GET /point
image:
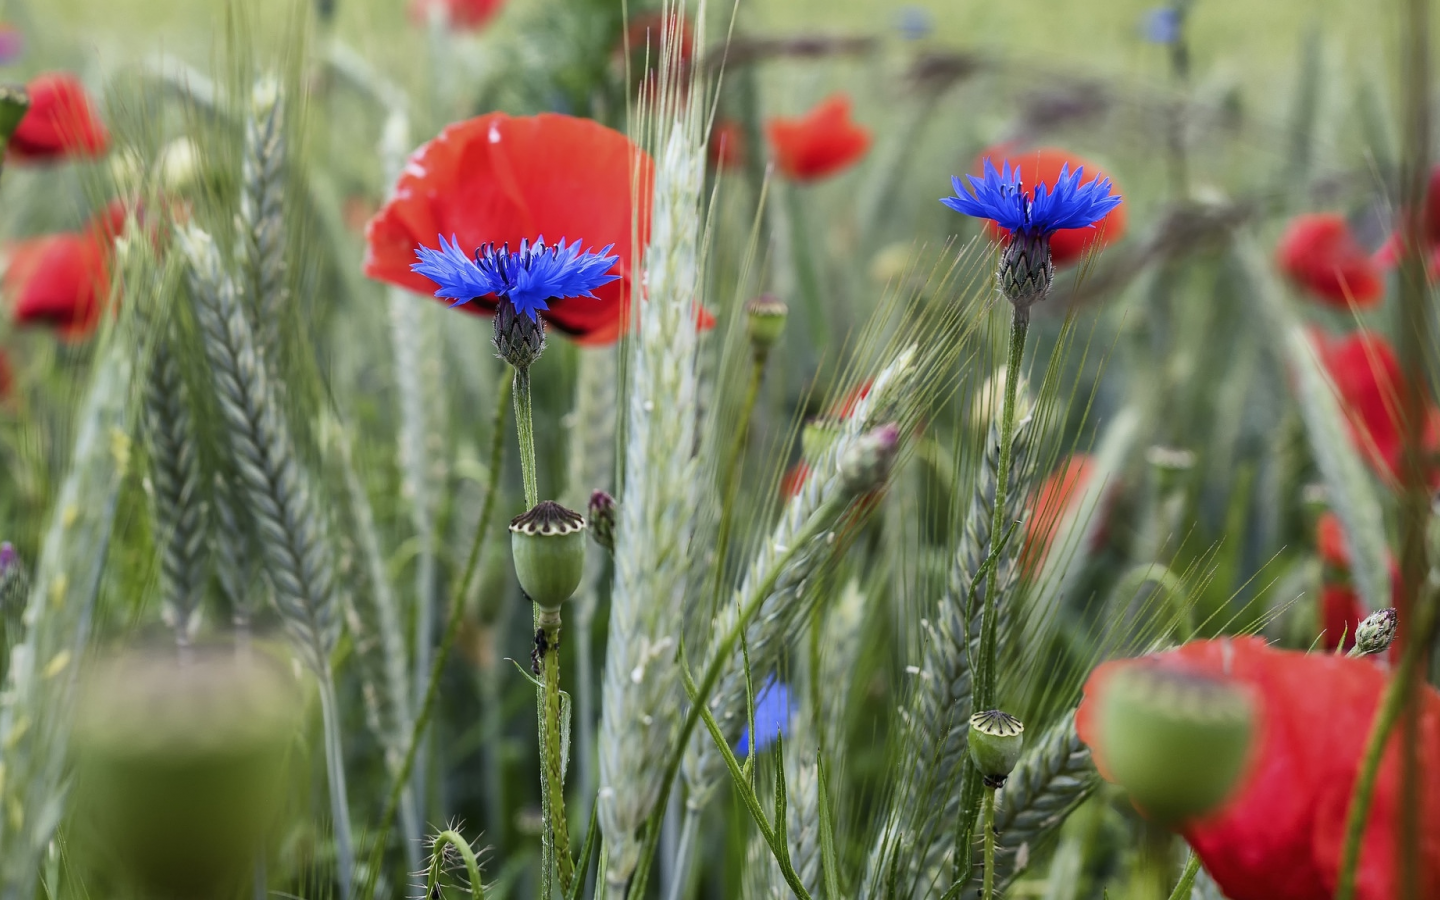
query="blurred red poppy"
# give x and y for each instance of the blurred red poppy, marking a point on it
(58, 280)
(61, 122)
(1318, 252)
(1367, 376)
(845, 406)
(727, 145)
(1042, 166)
(467, 15)
(503, 178)
(1280, 835)
(1061, 489)
(1330, 541)
(1340, 613)
(821, 143)
(7, 376)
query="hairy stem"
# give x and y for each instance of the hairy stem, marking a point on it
(525, 429)
(437, 863)
(1186, 884)
(988, 889)
(552, 751)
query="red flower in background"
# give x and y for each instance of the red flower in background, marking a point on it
(7, 376)
(1280, 835)
(61, 122)
(1341, 612)
(1318, 252)
(1367, 375)
(727, 145)
(1042, 166)
(61, 279)
(503, 178)
(1061, 490)
(1330, 540)
(820, 143)
(464, 14)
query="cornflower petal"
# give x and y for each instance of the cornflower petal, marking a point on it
(530, 277)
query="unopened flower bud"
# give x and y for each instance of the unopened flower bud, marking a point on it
(818, 436)
(1026, 270)
(548, 545)
(602, 519)
(180, 767)
(765, 322)
(866, 464)
(995, 739)
(519, 339)
(1177, 741)
(14, 103)
(1375, 633)
(178, 165)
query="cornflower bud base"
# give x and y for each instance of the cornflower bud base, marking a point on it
(518, 338)
(1026, 270)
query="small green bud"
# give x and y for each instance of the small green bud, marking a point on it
(818, 436)
(1177, 741)
(765, 322)
(519, 339)
(1375, 633)
(602, 519)
(181, 767)
(995, 740)
(14, 104)
(548, 544)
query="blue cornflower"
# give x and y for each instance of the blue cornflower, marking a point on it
(772, 717)
(914, 22)
(1001, 197)
(1162, 25)
(1026, 269)
(529, 278)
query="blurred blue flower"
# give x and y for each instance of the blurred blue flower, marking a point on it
(1001, 197)
(914, 22)
(773, 710)
(12, 44)
(1162, 25)
(530, 277)
(8, 558)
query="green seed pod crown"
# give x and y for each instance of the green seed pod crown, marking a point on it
(1177, 741)
(995, 740)
(180, 767)
(765, 322)
(548, 544)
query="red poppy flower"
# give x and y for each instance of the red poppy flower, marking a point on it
(727, 145)
(1042, 166)
(1331, 542)
(1340, 613)
(1367, 376)
(503, 178)
(1318, 252)
(1280, 835)
(60, 122)
(468, 15)
(1062, 488)
(61, 279)
(820, 143)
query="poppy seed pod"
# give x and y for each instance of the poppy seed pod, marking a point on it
(765, 322)
(548, 544)
(995, 740)
(1176, 740)
(1375, 632)
(180, 767)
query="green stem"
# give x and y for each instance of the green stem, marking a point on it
(447, 641)
(806, 279)
(987, 892)
(525, 428)
(1392, 703)
(552, 750)
(731, 471)
(437, 860)
(1186, 884)
(985, 676)
(335, 769)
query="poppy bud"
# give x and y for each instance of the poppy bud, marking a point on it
(765, 322)
(179, 165)
(548, 544)
(1177, 741)
(1026, 270)
(602, 519)
(995, 740)
(1375, 633)
(14, 103)
(866, 464)
(519, 338)
(180, 767)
